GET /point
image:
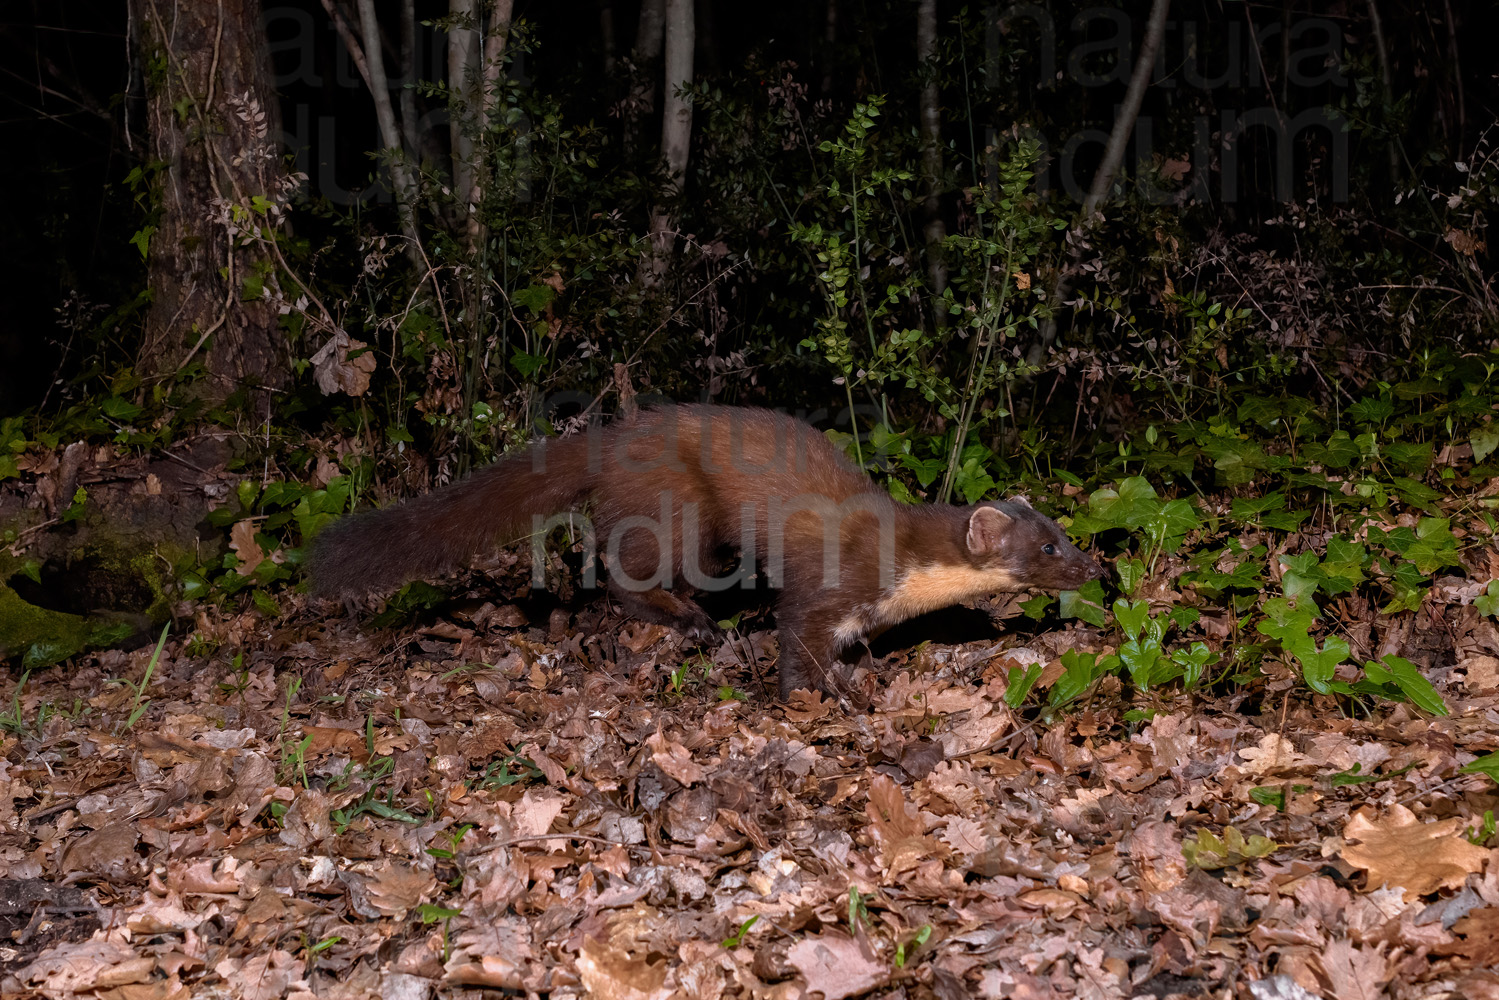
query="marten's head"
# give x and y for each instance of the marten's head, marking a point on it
(1009, 538)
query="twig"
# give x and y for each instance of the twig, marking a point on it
(15, 547)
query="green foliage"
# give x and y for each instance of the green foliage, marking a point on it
(1209, 852)
(138, 702)
(510, 770)
(1487, 764)
(951, 353)
(1487, 603)
(737, 938)
(1081, 672)
(1135, 506)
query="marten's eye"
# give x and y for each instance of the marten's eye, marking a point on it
(1049, 549)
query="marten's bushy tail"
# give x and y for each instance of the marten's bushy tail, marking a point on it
(379, 550)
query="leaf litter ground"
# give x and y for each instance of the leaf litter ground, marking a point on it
(475, 805)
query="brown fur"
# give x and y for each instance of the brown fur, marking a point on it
(848, 559)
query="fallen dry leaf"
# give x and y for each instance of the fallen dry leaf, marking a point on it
(675, 759)
(335, 371)
(171, 988)
(898, 828)
(1355, 973)
(267, 976)
(394, 889)
(836, 965)
(242, 541)
(1399, 850)
(78, 966)
(619, 965)
(1479, 931)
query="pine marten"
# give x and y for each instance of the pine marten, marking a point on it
(668, 492)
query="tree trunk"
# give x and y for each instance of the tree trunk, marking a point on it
(606, 34)
(496, 37)
(391, 133)
(213, 122)
(706, 32)
(648, 38)
(409, 114)
(830, 43)
(934, 229)
(463, 103)
(1103, 180)
(676, 134)
(1387, 81)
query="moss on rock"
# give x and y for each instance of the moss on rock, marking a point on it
(41, 637)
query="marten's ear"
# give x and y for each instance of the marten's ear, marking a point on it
(986, 528)
(1022, 501)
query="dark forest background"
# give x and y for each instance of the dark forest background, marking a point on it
(903, 208)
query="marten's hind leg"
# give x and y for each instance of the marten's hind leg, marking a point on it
(666, 608)
(637, 565)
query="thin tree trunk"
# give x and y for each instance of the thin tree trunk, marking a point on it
(391, 133)
(1387, 82)
(935, 230)
(1457, 81)
(649, 35)
(409, 116)
(496, 36)
(1285, 52)
(463, 103)
(1103, 179)
(606, 34)
(706, 31)
(211, 117)
(830, 39)
(1129, 111)
(676, 134)
(369, 58)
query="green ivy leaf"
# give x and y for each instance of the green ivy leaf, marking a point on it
(1036, 606)
(535, 298)
(1412, 683)
(1020, 683)
(1131, 572)
(1085, 604)
(1488, 765)
(1487, 603)
(1484, 439)
(1131, 616)
(527, 364)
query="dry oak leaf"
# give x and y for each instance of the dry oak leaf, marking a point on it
(966, 836)
(75, 966)
(1355, 973)
(836, 965)
(494, 953)
(165, 915)
(1480, 934)
(1156, 850)
(393, 888)
(675, 759)
(334, 371)
(263, 977)
(1274, 755)
(898, 828)
(984, 725)
(1400, 850)
(493, 971)
(242, 541)
(170, 988)
(620, 967)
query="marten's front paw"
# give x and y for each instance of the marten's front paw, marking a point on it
(701, 629)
